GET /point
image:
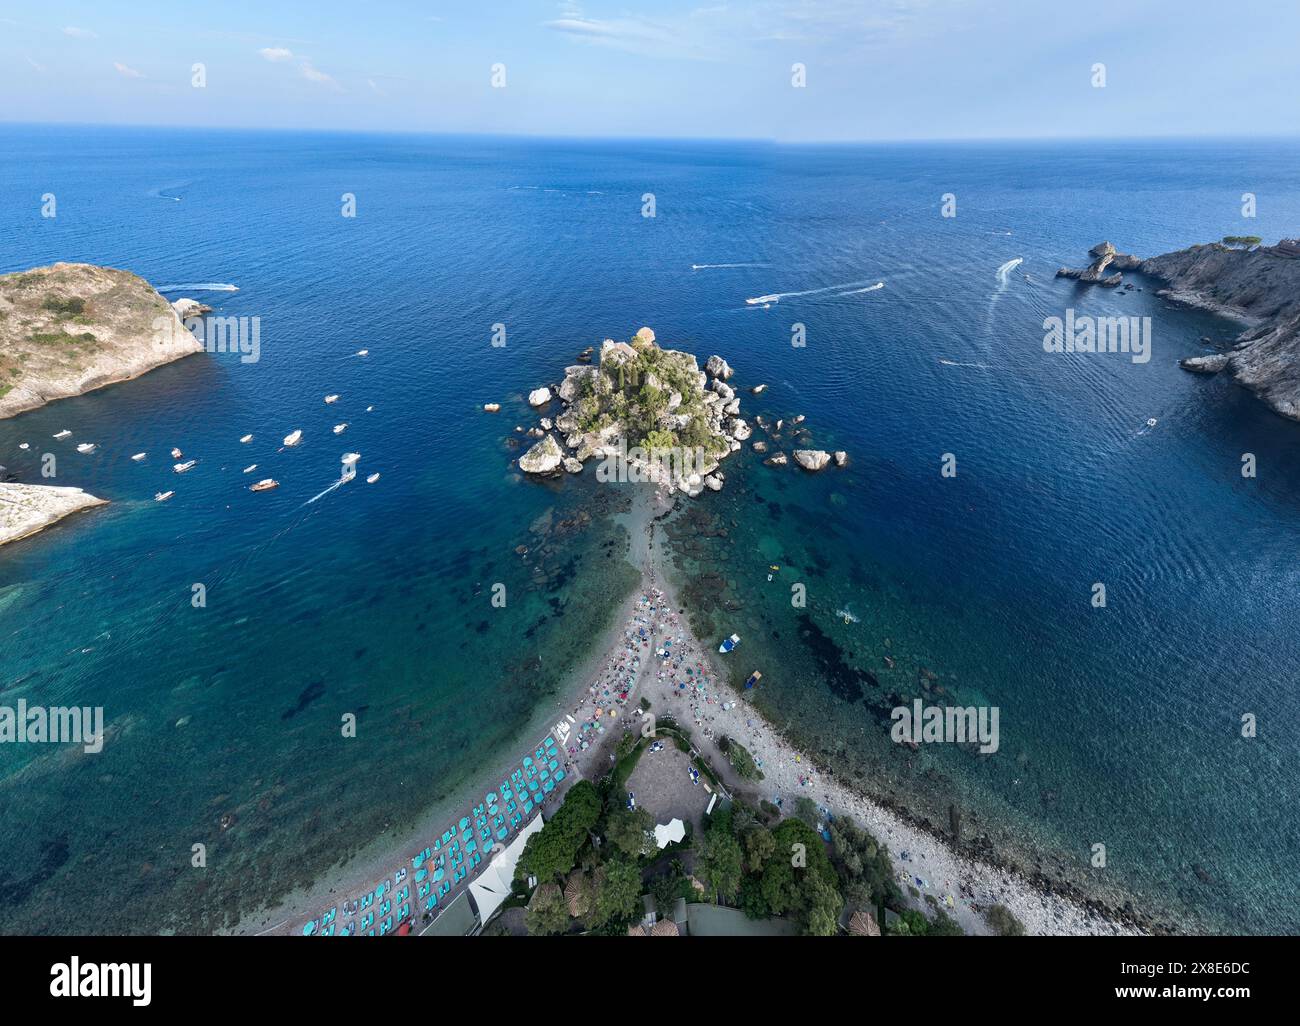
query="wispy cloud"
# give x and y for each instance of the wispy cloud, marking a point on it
(38, 67)
(126, 71)
(313, 74)
(79, 33)
(276, 53)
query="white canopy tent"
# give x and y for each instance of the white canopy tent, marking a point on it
(493, 885)
(669, 833)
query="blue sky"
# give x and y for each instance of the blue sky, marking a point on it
(875, 69)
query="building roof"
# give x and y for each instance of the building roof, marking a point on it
(718, 921)
(863, 924)
(457, 919)
(578, 894)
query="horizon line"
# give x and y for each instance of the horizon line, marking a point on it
(751, 140)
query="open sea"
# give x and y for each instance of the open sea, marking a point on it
(1119, 726)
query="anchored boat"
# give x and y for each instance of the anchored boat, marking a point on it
(729, 644)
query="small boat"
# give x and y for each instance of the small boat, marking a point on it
(177, 454)
(249, 470)
(290, 440)
(340, 428)
(370, 409)
(162, 496)
(372, 479)
(24, 445)
(1151, 422)
(265, 485)
(889, 662)
(86, 447)
(350, 458)
(363, 352)
(847, 615)
(63, 434)
(246, 439)
(180, 468)
(331, 399)
(754, 678)
(729, 644)
(139, 456)
(772, 570)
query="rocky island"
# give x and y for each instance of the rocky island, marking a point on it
(68, 329)
(1257, 285)
(27, 509)
(648, 413)
(65, 330)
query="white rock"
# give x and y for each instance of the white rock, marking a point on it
(841, 457)
(542, 458)
(539, 397)
(811, 459)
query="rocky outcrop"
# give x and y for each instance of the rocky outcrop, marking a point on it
(543, 457)
(68, 329)
(1259, 287)
(1105, 258)
(651, 408)
(811, 459)
(841, 457)
(26, 509)
(717, 367)
(539, 397)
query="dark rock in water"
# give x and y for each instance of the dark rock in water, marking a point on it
(954, 823)
(309, 694)
(1202, 874)
(845, 681)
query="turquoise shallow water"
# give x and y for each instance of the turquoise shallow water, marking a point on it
(1118, 726)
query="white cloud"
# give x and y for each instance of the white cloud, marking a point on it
(126, 71)
(79, 33)
(38, 67)
(312, 74)
(276, 53)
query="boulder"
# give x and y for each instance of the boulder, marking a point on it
(714, 482)
(760, 447)
(738, 429)
(542, 458)
(574, 380)
(717, 367)
(759, 389)
(776, 460)
(841, 457)
(492, 407)
(539, 397)
(645, 335)
(546, 424)
(572, 466)
(811, 459)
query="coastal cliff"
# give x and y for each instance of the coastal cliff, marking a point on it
(68, 329)
(1257, 285)
(27, 509)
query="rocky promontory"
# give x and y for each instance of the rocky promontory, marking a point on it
(650, 413)
(1239, 279)
(26, 509)
(70, 328)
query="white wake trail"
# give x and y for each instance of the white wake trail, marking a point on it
(205, 286)
(710, 267)
(776, 297)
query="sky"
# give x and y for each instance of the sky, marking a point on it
(871, 69)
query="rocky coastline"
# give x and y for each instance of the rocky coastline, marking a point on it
(1256, 285)
(68, 329)
(28, 509)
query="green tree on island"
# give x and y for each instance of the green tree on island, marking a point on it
(552, 851)
(548, 912)
(617, 888)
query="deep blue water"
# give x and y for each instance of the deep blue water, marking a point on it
(1118, 726)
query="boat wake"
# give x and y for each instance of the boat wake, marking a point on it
(776, 297)
(858, 292)
(337, 484)
(205, 286)
(954, 363)
(710, 267)
(1004, 272)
